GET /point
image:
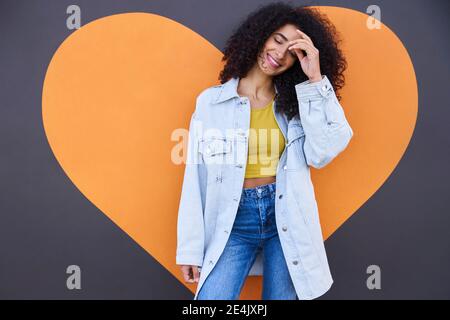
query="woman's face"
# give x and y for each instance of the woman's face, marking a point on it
(275, 58)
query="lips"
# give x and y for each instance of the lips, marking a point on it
(272, 61)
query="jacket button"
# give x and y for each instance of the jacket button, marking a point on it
(226, 231)
(324, 88)
(211, 262)
(295, 262)
(285, 167)
(284, 229)
(239, 165)
(235, 199)
(280, 196)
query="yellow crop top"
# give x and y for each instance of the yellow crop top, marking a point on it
(265, 144)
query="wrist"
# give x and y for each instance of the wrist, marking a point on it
(316, 78)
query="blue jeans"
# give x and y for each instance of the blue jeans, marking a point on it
(254, 229)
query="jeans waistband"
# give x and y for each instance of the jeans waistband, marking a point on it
(260, 191)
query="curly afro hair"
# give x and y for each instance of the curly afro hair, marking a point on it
(243, 46)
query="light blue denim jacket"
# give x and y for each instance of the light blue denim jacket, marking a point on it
(214, 177)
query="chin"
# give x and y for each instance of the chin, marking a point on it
(268, 71)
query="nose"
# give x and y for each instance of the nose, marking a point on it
(280, 56)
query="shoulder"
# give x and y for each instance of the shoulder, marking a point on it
(209, 93)
(206, 97)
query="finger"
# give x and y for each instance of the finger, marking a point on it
(306, 45)
(195, 273)
(299, 53)
(310, 49)
(301, 39)
(303, 45)
(296, 52)
(305, 36)
(187, 274)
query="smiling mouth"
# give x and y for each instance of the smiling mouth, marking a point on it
(272, 61)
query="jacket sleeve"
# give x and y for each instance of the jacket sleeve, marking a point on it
(190, 225)
(327, 131)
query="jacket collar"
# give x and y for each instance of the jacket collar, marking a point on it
(228, 90)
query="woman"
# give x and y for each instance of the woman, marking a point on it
(258, 215)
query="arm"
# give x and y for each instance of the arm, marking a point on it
(190, 226)
(327, 131)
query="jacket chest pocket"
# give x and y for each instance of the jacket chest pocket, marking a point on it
(294, 146)
(216, 152)
(213, 147)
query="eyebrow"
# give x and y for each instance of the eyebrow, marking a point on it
(282, 35)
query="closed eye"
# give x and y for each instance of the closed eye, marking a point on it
(291, 52)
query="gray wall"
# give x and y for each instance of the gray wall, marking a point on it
(46, 224)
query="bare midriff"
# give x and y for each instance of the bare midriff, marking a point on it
(253, 182)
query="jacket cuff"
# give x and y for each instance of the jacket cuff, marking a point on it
(189, 258)
(319, 89)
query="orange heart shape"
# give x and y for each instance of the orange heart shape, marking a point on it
(117, 88)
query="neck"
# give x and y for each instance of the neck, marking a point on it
(256, 85)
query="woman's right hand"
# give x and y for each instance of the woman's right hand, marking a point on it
(191, 274)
